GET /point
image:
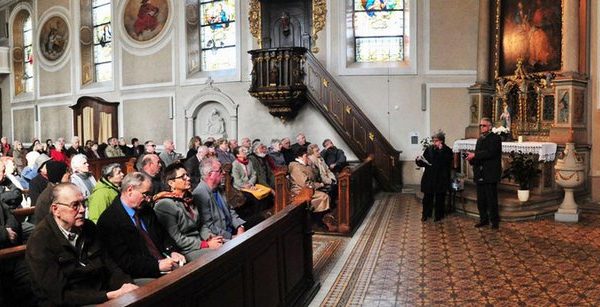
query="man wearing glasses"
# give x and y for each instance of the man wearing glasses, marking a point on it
(134, 237)
(218, 219)
(65, 257)
(487, 169)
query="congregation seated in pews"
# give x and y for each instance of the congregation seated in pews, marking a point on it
(151, 222)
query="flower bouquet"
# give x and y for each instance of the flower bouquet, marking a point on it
(503, 132)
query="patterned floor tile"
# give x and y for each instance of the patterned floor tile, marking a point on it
(451, 263)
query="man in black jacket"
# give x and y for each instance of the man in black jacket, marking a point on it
(487, 170)
(333, 156)
(134, 237)
(68, 265)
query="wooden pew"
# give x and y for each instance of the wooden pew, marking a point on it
(96, 165)
(355, 194)
(268, 265)
(22, 213)
(12, 252)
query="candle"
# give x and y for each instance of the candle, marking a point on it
(520, 139)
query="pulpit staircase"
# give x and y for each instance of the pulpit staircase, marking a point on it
(284, 79)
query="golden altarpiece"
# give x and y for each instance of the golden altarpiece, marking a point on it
(532, 70)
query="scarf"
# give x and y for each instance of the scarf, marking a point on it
(183, 197)
(244, 162)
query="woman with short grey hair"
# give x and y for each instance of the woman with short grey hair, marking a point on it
(81, 176)
(437, 161)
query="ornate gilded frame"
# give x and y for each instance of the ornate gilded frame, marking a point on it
(498, 37)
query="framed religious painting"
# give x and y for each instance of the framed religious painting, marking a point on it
(54, 38)
(529, 31)
(145, 19)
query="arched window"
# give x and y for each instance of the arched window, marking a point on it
(379, 30)
(101, 21)
(217, 34)
(96, 41)
(22, 54)
(28, 55)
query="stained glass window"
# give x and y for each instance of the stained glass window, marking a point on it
(28, 55)
(379, 30)
(217, 34)
(101, 21)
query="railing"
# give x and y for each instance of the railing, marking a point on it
(352, 124)
(277, 79)
(268, 265)
(283, 79)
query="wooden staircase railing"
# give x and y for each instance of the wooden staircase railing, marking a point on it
(283, 79)
(327, 96)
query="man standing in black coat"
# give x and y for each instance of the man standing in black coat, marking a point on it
(135, 239)
(437, 161)
(487, 169)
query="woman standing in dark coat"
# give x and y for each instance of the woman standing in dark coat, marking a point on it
(437, 161)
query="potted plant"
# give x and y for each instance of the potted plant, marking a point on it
(522, 168)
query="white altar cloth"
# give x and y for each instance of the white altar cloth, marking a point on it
(545, 150)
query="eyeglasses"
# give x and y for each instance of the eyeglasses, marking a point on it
(219, 171)
(484, 125)
(74, 205)
(184, 176)
(151, 145)
(145, 194)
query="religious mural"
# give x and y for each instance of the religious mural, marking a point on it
(54, 38)
(530, 30)
(145, 19)
(474, 110)
(563, 106)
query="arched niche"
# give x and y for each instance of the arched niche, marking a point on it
(200, 110)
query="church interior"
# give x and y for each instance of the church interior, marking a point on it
(379, 79)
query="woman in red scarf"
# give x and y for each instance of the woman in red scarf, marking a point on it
(179, 215)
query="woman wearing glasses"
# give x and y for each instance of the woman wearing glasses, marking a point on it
(179, 215)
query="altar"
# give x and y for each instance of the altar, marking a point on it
(544, 151)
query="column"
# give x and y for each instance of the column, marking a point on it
(570, 46)
(483, 42)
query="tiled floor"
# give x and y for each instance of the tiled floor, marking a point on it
(397, 260)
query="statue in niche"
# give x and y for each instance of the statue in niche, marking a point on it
(505, 117)
(285, 24)
(215, 126)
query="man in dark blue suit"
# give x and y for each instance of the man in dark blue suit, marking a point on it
(132, 234)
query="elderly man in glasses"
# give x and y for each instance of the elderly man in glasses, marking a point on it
(134, 237)
(218, 218)
(66, 261)
(487, 169)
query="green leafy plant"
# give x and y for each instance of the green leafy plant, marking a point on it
(523, 168)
